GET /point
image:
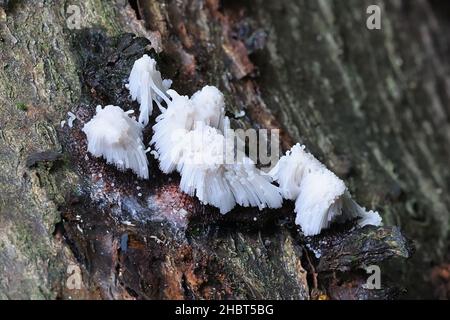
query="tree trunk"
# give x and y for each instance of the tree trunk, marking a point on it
(371, 104)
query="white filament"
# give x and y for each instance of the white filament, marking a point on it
(146, 86)
(113, 135)
(209, 171)
(320, 196)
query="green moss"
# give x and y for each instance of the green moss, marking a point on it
(65, 160)
(21, 106)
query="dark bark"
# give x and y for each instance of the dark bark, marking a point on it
(372, 105)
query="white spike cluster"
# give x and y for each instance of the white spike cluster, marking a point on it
(353, 210)
(251, 187)
(201, 165)
(171, 126)
(113, 135)
(206, 106)
(320, 196)
(209, 105)
(146, 85)
(190, 136)
(209, 171)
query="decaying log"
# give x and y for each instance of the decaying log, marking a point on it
(372, 105)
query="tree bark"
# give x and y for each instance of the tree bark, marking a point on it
(372, 105)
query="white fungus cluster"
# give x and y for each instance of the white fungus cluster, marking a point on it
(182, 114)
(146, 86)
(209, 170)
(190, 136)
(113, 135)
(320, 196)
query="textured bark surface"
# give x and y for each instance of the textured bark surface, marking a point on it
(372, 105)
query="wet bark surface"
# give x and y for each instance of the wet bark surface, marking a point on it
(372, 105)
